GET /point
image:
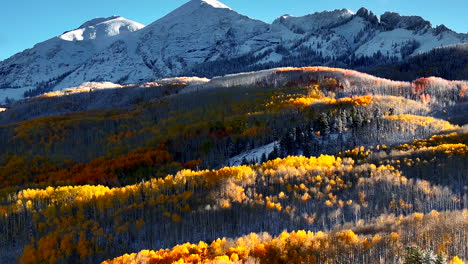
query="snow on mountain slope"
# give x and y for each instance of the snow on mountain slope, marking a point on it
(99, 28)
(350, 30)
(338, 40)
(403, 36)
(253, 155)
(46, 61)
(391, 42)
(362, 34)
(269, 40)
(203, 31)
(196, 32)
(117, 63)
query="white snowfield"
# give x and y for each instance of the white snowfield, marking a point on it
(216, 4)
(100, 28)
(122, 51)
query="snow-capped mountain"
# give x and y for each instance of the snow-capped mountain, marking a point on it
(196, 32)
(101, 28)
(206, 34)
(44, 65)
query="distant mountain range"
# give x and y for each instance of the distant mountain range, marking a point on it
(206, 38)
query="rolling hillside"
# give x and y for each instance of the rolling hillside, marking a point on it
(371, 166)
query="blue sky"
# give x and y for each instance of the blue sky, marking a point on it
(27, 22)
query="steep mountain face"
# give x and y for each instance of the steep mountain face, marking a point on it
(206, 38)
(363, 34)
(206, 31)
(196, 32)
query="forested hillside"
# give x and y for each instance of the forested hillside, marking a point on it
(359, 170)
(379, 240)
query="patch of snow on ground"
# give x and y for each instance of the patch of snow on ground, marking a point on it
(254, 154)
(351, 29)
(273, 57)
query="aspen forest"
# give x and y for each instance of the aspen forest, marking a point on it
(288, 165)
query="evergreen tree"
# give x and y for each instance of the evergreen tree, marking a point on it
(323, 124)
(429, 257)
(287, 145)
(357, 117)
(339, 125)
(299, 138)
(414, 255)
(441, 259)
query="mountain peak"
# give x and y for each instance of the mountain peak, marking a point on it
(212, 3)
(101, 27)
(192, 7)
(441, 29)
(345, 11)
(367, 15)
